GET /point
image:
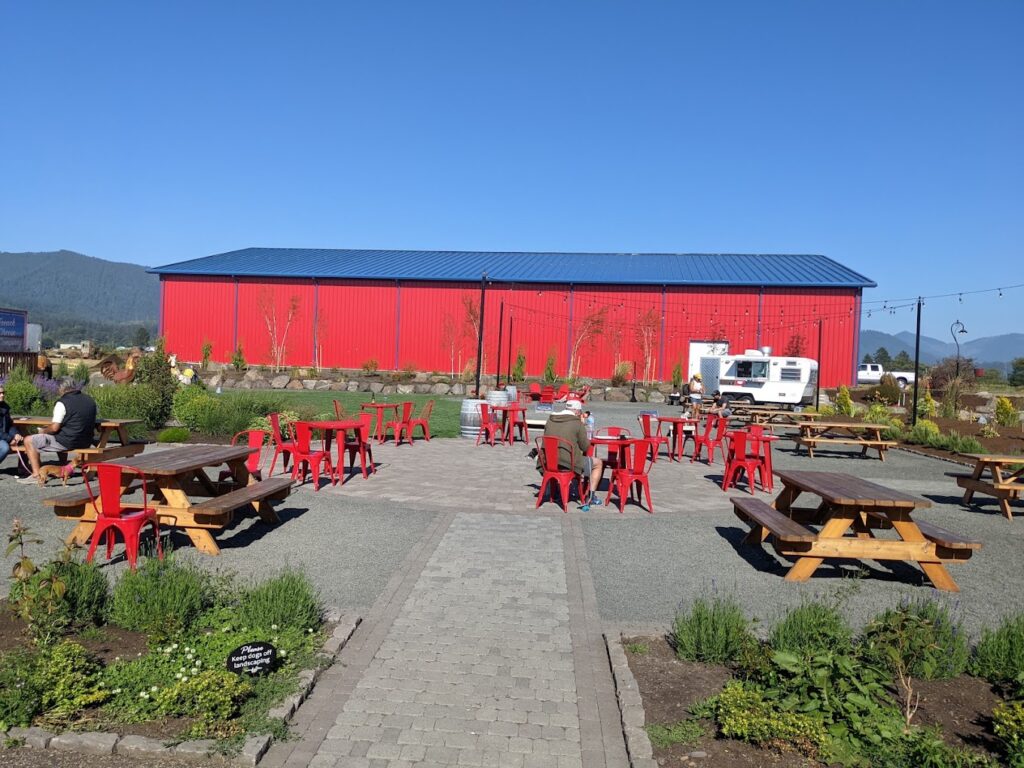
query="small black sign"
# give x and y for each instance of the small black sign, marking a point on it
(252, 658)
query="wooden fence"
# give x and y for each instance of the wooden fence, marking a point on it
(10, 360)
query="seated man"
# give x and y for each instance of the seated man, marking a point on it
(72, 426)
(720, 406)
(8, 434)
(568, 425)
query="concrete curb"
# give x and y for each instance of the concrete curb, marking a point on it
(631, 706)
(254, 748)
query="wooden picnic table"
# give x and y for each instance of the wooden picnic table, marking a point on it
(850, 505)
(1003, 482)
(771, 416)
(103, 449)
(828, 433)
(184, 495)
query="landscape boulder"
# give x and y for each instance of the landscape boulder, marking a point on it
(405, 389)
(280, 381)
(294, 384)
(440, 389)
(613, 395)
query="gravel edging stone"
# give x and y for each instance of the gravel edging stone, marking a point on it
(631, 706)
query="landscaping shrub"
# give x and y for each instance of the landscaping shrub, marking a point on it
(173, 435)
(620, 375)
(238, 359)
(22, 394)
(86, 592)
(743, 713)
(919, 637)
(999, 656)
(210, 695)
(713, 631)
(923, 432)
(80, 372)
(161, 597)
(677, 375)
(811, 628)
(888, 390)
(1006, 414)
(183, 404)
(550, 376)
(69, 680)
(844, 403)
(154, 369)
(138, 401)
(21, 698)
(1008, 726)
(683, 732)
(370, 366)
(286, 600)
(519, 369)
(962, 443)
(878, 414)
(921, 748)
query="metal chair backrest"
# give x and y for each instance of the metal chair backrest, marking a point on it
(275, 428)
(723, 425)
(563, 391)
(613, 432)
(486, 417)
(339, 410)
(406, 410)
(303, 434)
(550, 447)
(645, 422)
(255, 438)
(534, 388)
(547, 395)
(426, 410)
(110, 483)
(634, 457)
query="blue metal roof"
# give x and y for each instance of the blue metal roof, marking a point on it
(805, 271)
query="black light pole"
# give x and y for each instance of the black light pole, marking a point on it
(480, 337)
(817, 381)
(917, 363)
(954, 329)
(632, 396)
(501, 327)
(509, 366)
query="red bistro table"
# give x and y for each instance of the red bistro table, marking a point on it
(328, 428)
(380, 408)
(509, 418)
(676, 441)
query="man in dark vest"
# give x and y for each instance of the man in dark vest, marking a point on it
(72, 426)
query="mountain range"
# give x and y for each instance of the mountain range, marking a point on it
(987, 351)
(78, 297)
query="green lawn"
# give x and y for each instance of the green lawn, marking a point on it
(444, 421)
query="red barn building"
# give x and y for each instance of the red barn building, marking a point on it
(343, 308)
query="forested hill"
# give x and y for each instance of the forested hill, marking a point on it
(79, 297)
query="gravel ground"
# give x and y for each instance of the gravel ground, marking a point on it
(24, 757)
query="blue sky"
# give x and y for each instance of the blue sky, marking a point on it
(886, 135)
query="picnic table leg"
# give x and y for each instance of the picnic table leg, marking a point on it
(935, 571)
(979, 469)
(200, 537)
(840, 522)
(785, 500)
(1004, 498)
(81, 533)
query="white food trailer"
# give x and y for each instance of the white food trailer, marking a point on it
(757, 376)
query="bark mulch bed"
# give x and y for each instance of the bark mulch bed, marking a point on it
(669, 686)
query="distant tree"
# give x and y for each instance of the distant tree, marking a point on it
(902, 361)
(277, 327)
(795, 346)
(586, 333)
(646, 329)
(944, 372)
(883, 358)
(1016, 377)
(868, 359)
(141, 337)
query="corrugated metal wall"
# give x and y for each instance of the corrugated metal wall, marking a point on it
(426, 325)
(196, 310)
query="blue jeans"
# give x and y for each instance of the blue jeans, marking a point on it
(5, 443)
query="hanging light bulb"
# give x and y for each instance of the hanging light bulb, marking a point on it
(1000, 293)
(961, 298)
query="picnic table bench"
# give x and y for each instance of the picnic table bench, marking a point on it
(814, 434)
(103, 449)
(850, 505)
(1003, 481)
(759, 414)
(175, 475)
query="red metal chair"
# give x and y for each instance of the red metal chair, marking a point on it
(255, 438)
(517, 420)
(422, 420)
(401, 424)
(713, 437)
(632, 473)
(281, 446)
(488, 425)
(361, 444)
(339, 410)
(556, 477)
(765, 453)
(738, 461)
(611, 460)
(534, 391)
(654, 438)
(563, 392)
(305, 457)
(547, 395)
(112, 515)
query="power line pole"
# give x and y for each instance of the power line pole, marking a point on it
(501, 327)
(917, 363)
(817, 381)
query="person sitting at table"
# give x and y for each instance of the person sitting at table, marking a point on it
(720, 406)
(568, 424)
(8, 434)
(71, 426)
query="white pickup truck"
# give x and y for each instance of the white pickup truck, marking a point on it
(871, 373)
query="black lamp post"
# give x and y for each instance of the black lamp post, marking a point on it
(955, 329)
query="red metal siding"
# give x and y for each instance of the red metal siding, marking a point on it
(357, 323)
(198, 309)
(435, 334)
(707, 314)
(263, 298)
(540, 321)
(791, 316)
(623, 307)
